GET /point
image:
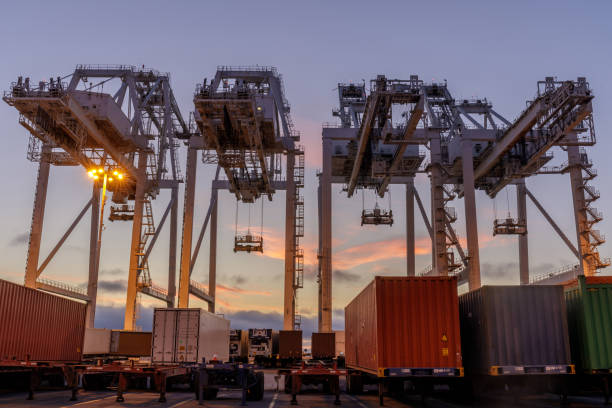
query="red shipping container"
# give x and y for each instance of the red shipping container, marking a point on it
(405, 326)
(39, 326)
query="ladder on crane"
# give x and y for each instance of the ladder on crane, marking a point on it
(591, 215)
(298, 256)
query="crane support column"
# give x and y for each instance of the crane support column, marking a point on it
(289, 301)
(471, 225)
(438, 213)
(172, 249)
(190, 184)
(410, 244)
(325, 322)
(319, 252)
(38, 215)
(94, 259)
(521, 204)
(212, 259)
(132, 284)
(580, 215)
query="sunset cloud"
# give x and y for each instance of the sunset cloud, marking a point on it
(377, 251)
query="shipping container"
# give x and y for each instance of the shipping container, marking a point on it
(124, 343)
(130, 343)
(290, 344)
(260, 343)
(589, 313)
(97, 342)
(340, 343)
(405, 326)
(323, 345)
(239, 344)
(39, 326)
(188, 335)
(514, 330)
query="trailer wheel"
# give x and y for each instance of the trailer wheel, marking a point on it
(288, 383)
(209, 393)
(256, 391)
(354, 384)
(94, 382)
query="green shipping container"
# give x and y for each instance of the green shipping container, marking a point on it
(589, 312)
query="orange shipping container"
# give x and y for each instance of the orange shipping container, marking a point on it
(405, 326)
(39, 326)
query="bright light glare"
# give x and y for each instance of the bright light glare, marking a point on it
(96, 177)
(115, 173)
(100, 170)
(120, 176)
(110, 179)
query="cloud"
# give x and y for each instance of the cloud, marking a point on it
(377, 251)
(504, 271)
(311, 271)
(111, 317)
(346, 276)
(250, 319)
(119, 285)
(20, 239)
(231, 289)
(238, 280)
(114, 271)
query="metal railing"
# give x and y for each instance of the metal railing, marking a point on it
(254, 68)
(63, 286)
(426, 271)
(565, 269)
(199, 286)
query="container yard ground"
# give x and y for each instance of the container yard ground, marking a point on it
(309, 399)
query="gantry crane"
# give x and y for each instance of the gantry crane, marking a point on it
(244, 127)
(470, 147)
(126, 140)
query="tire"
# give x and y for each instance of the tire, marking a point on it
(288, 384)
(354, 384)
(256, 391)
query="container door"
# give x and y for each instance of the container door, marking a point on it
(187, 333)
(114, 341)
(164, 329)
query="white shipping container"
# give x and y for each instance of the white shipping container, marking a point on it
(339, 343)
(97, 341)
(188, 335)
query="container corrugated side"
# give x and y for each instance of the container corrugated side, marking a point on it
(39, 326)
(290, 344)
(323, 345)
(97, 341)
(131, 343)
(340, 344)
(515, 330)
(589, 310)
(405, 326)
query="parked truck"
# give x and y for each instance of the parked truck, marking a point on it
(239, 345)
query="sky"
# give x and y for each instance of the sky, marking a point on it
(497, 50)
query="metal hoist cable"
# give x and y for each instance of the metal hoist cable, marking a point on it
(494, 209)
(508, 201)
(262, 216)
(236, 232)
